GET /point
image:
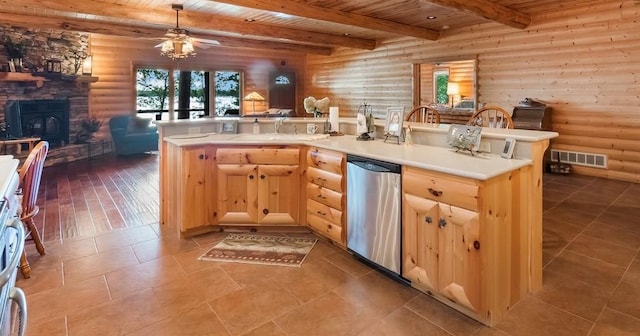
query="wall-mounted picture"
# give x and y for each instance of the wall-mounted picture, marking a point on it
(393, 125)
(229, 127)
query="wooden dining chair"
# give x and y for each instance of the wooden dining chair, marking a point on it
(30, 173)
(423, 114)
(491, 116)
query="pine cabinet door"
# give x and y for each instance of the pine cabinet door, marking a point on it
(237, 193)
(460, 258)
(421, 248)
(278, 194)
(198, 195)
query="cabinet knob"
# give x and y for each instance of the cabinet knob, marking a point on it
(251, 177)
(321, 213)
(436, 193)
(442, 223)
(428, 219)
(265, 211)
(201, 156)
(476, 244)
(262, 177)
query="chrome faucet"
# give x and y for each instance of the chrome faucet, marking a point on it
(278, 124)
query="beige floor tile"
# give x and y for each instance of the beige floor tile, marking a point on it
(246, 274)
(211, 283)
(488, 331)
(125, 237)
(633, 272)
(598, 273)
(345, 261)
(572, 294)
(403, 322)
(442, 315)
(118, 317)
(613, 323)
(567, 213)
(198, 321)
(95, 265)
(160, 247)
(253, 305)
(613, 234)
(626, 218)
(532, 316)
(602, 250)
(209, 239)
(328, 315)
(41, 279)
(54, 327)
(313, 279)
(377, 291)
(147, 275)
(321, 250)
(625, 299)
(72, 297)
(189, 262)
(267, 329)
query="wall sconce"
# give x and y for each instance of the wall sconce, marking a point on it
(87, 65)
(453, 89)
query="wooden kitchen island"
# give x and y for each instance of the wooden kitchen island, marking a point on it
(471, 225)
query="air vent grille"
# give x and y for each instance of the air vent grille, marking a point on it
(579, 158)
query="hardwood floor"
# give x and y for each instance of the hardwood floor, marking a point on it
(110, 269)
(85, 198)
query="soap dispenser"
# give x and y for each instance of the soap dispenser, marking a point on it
(256, 126)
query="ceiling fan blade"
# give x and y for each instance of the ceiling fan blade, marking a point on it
(205, 41)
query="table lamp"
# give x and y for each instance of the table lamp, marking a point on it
(254, 96)
(453, 89)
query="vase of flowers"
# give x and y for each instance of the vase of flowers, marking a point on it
(88, 128)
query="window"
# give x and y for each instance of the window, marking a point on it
(440, 80)
(191, 92)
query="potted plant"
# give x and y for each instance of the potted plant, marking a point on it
(15, 51)
(88, 128)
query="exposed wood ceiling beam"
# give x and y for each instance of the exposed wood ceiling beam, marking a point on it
(144, 32)
(488, 10)
(189, 19)
(302, 9)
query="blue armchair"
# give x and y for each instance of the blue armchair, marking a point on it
(132, 135)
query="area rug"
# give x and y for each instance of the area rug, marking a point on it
(258, 249)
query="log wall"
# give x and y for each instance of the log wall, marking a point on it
(584, 63)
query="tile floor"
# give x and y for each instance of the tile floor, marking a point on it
(145, 281)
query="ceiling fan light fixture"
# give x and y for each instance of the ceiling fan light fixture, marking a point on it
(178, 45)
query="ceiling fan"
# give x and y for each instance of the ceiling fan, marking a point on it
(178, 44)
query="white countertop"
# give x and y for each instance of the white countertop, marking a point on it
(480, 166)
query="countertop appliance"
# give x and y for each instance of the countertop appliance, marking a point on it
(374, 212)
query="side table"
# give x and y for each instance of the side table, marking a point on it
(96, 146)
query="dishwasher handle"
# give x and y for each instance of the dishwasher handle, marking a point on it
(374, 165)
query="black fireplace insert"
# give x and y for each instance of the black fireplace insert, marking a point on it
(47, 119)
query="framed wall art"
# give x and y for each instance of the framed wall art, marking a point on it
(229, 126)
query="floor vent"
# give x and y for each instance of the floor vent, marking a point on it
(579, 158)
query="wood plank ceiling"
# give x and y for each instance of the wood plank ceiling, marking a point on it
(311, 26)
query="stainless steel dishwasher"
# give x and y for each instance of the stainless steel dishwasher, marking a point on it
(373, 211)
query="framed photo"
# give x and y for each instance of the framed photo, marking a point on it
(464, 137)
(393, 124)
(509, 145)
(229, 126)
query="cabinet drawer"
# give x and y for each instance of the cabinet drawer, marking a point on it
(325, 212)
(324, 196)
(451, 190)
(333, 232)
(258, 155)
(325, 160)
(325, 179)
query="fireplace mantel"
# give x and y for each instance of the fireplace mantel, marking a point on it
(28, 77)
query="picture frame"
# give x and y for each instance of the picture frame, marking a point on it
(12, 66)
(509, 146)
(464, 137)
(393, 123)
(228, 127)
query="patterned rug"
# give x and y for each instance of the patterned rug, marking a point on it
(258, 249)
